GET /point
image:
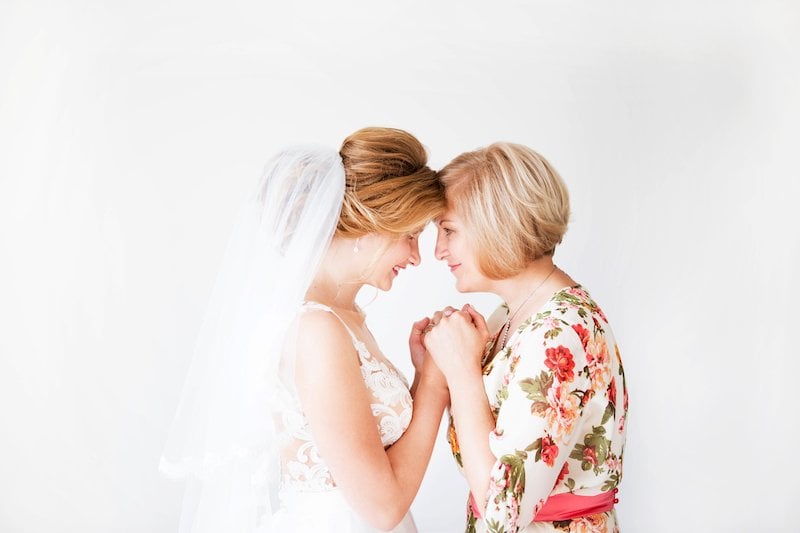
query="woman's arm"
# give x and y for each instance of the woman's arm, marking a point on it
(379, 484)
(474, 422)
(513, 463)
(457, 344)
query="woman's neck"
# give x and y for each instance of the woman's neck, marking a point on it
(530, 285)
(334, 285)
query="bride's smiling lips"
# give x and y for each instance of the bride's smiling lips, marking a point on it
(454, 267)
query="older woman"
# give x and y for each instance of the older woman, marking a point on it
(538, 396)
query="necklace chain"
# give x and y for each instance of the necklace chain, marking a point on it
(507, 325)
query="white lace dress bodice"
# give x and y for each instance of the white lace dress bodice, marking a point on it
(306, 482)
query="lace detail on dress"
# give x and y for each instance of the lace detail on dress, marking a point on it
(302, 468)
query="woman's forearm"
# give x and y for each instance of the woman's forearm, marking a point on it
(409, 456)
(473, 422)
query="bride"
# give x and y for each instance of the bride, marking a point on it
(292, 419)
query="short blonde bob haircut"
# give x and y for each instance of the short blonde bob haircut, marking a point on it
(514, 204)
(389, 188)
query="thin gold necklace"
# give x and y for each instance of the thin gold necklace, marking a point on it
(507, 325)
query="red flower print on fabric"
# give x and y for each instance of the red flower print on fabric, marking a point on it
(612, 393)
(549, 450)
(583, 333)
(562, 474)
(560, 361)
(590, 455)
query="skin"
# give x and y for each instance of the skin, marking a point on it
(378, 484)
(457, 339)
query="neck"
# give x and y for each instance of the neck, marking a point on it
(334, 284)
(515, 290)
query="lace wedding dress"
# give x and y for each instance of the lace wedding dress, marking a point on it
(309, 498)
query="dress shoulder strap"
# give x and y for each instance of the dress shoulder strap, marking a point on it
(310, 305)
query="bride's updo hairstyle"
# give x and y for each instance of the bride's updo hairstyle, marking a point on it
(389, 188)
(514, 204)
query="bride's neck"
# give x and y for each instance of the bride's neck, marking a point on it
(334, 285)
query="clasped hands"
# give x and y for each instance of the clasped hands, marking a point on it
(455, 339)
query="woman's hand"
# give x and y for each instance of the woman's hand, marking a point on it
(415, 345)
(456, 341)
(424, 366)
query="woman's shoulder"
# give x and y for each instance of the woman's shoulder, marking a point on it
(566, 317)
(573, 305)
(317, 322)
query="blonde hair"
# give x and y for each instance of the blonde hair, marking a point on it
(389, 188)
(514, 203)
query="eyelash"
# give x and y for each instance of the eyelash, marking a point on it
(447, 231)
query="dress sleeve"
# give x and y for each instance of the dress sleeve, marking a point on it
(546, 387)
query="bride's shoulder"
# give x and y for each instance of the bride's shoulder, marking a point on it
(323, 352)
(321, 334)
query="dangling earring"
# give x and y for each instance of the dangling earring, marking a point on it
(355, 248)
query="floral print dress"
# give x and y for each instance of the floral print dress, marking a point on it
(557, 392)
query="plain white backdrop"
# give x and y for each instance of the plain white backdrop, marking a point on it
(129, 132)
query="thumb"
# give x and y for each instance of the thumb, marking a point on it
(419, 326)
(478, 320)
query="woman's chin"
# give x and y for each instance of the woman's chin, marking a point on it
(461, 286)
(384, 285)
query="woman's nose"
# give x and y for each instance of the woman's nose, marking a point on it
(440, 251)
(415, 259)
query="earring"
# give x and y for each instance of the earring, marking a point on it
(355, 248)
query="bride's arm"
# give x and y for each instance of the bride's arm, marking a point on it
(379, 484)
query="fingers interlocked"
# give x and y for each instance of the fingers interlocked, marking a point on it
(437, 317)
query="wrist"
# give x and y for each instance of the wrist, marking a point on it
(466, 380)
(432, 380)
(465, 369)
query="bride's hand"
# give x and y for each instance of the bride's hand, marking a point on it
(416, 345)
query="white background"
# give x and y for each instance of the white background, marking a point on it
(130, 131)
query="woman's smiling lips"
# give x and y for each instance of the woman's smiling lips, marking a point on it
(453, 267)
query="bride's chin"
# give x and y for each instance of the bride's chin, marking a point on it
(381, 285)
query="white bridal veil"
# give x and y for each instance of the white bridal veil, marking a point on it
(223, 439)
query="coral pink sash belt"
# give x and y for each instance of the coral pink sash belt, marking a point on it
(567, 505)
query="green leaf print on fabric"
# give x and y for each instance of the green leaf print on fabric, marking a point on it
(536, 390)
(608, 414)
(493, 526)
(571, 299)
(611, 483)
(515, 474)
(552, 333)
(594, 451)
(471, 520)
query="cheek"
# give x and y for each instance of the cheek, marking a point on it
(402, 252)
(457, 250)
(394, 256)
